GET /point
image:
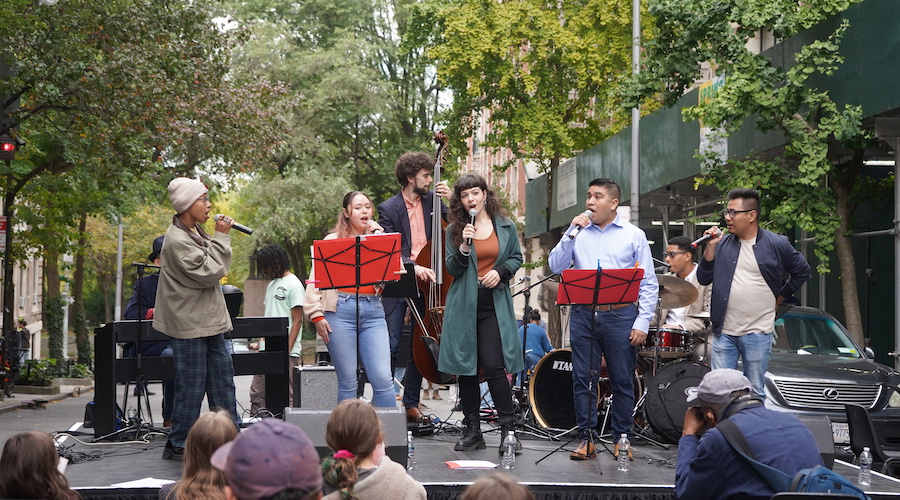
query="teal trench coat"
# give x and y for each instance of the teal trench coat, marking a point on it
(459, 346)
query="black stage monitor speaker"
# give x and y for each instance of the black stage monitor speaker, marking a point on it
(820, 426)
(313, 422)
(315, 387)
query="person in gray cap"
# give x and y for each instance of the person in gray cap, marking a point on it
(190, 308)
(271, 459)
(709, 467)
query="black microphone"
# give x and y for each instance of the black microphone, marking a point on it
(699, 241)
(472, 214)
(240, 227)
(573, 234)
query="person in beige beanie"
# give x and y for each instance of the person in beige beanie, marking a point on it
(190, 308)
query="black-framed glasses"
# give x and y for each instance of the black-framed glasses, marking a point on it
(730, 212)
(672, 254)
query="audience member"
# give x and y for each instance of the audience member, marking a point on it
(359, 467)
(28, 469)
(709, 467)
(270, 460)
(496, 486)
(200, 479)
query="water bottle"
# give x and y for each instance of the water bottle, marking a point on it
(509, 451)
(865, 467)
(624, 445)
(410, 451)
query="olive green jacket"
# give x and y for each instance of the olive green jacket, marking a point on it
(459, 345)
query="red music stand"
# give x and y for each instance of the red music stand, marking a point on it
(357, 261)
(599, 287)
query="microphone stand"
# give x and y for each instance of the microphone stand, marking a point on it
(524, 406)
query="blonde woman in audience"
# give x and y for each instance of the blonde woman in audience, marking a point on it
(200, 480)
(359, 468)
(28, 469)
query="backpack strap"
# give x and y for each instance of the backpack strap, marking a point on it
(777, 480)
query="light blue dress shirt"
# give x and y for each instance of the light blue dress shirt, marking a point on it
(620, 245)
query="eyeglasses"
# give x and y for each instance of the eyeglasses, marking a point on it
(204, 198)
(672, 254)
(730, 212)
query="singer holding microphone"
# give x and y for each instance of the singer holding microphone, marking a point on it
(604, 239)
(479, 330)
(748, 266)
(190, 308)
(334, 314)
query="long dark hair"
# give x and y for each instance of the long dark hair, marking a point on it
(28, 469)
(459, 214)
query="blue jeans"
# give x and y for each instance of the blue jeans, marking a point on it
(609, 338)
(371, 346)
(752, 348)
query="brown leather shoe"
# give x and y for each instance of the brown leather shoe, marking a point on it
(585, 451)
(416, 415)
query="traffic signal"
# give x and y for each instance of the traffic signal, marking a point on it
(8, 147)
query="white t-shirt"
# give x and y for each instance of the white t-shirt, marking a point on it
(751, 304)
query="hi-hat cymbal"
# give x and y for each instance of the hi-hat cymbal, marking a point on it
(675, 292)
(700, 315)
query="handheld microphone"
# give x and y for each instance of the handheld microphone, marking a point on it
(705, 237)
(240, 227)
(374, 230)
(574, 233)
(472, 214)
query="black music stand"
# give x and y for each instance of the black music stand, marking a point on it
(587, 287)
(357, 261)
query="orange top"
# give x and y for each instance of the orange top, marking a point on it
(487, 251)
(363, 290)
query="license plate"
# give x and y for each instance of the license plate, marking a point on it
(841, 432)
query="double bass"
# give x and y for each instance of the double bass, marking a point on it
(426, 334)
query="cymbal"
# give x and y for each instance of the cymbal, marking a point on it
(700, 315)
(675, 292)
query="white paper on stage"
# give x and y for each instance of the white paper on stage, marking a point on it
(471, 464)
(147, 482)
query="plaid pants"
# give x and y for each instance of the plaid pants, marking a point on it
(202, 366)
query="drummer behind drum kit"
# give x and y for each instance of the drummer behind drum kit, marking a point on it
(676, 363)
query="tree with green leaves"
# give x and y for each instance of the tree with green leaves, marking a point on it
(805, 186)
(127, 92)
(543, 71)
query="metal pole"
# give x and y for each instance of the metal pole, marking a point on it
(635, 116)
(896, 144)
(118, 310)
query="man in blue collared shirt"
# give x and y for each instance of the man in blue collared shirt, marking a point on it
(607, 241)
(748, 267)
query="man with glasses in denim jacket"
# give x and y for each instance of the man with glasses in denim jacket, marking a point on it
(748, 266)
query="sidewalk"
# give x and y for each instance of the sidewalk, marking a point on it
(21, 398)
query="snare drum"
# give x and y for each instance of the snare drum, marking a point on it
(672, 342)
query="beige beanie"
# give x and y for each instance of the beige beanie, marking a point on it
(184, 192)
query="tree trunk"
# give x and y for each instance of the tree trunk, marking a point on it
(82, 340)
(849, 290)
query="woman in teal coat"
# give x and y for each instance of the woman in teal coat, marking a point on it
(479, 331)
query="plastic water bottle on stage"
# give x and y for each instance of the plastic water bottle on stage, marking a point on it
(410, 451)
(509, 451)
(624, 445)
(865, 467)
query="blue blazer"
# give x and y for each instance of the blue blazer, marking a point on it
(392, 216)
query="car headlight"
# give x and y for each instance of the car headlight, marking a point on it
(894, 402)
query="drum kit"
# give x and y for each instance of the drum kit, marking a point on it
(671, 360)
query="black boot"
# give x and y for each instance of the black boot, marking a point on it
(504, 431)
(472, 439)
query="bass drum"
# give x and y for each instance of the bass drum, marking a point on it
(551, 394)
(667, 395)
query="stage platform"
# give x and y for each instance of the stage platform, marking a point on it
(108, 469)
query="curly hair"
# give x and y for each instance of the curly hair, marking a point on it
(200, 479)
(459, 214)
(409, 164)
(28, 469)
(272, 261)
(355, 427)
